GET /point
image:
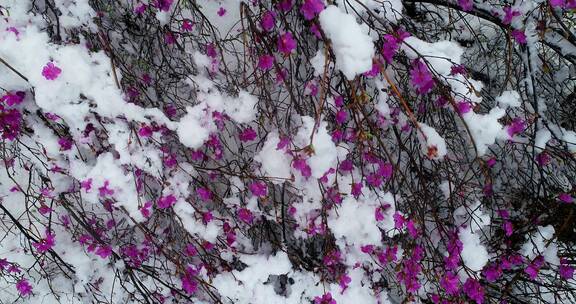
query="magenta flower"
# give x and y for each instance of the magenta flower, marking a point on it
(325, 299)
(508, 228)
(65, 144)
(315, 31)
(50, 71)
(474, 290)
(285, 5)
(259, 189)
(509, 15)
(86, 184)
(466, 5)
(344, 282)
(346, 165)
(557, 3)
(491, 162)
(565, 270)
(169, 38)
(104, 190)
(356, 190)
(492, 272)
(221, 12)
(189, 285)
(311, 8)
(463, 107)
(368, 249)
(145, 131)
(204, 193)
(565, 198)
(145, 210)
(268, 21)
(245, 215)
(543, 159)
(163, 5)
(286, 43)
(104, 251)
(392, 44)
(516, 127)
(247, 134)
(421, 77)
(450, 283)
(534, 268)
(265, 62)
(302, 166)
(412, 230)
(341, 116)
(519, 36)
(13, 98)
(187, 25)
(166, 201)
(399, 220)
(140, 9)
(24, 288)
(45, 244)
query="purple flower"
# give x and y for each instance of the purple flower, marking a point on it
(516, 127)
(24, 288)
(189, 285)
(285, 5)
(265, 62)
(566, 271)
(565, 198)
(302, 166)
(245, 215)
(163, 5)
(519, 36)
(204, 194)
(463, 107)
(221, 12)
(341, 116)
(450, 283)
(268, 21)
(286, 43)
(474, 290)
(492, 272)
(325, 299)
(421, 77)
(543, 159)
(65, 144)
(140, 9)
(534, 268)
(248, 134)
(311, 8)
(259, 189)
(187, 25)
(392, 44)
(166, 201)
(356, 189)
(466, 5)
(104, 251)
(15, 98)
(509, 15)
(344, 282)
(145, 131)
(50, 71)
(45, 244)
(508, 228)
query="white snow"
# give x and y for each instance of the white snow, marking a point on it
(351, 43)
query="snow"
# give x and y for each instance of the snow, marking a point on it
(325, 152)
(543, 136)
(474, 253)
(352, 45)
(195, 127)
(275, 163)
(509, 99)
(485, 128)
(433, 140)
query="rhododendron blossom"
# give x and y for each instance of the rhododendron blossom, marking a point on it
(313, 151)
